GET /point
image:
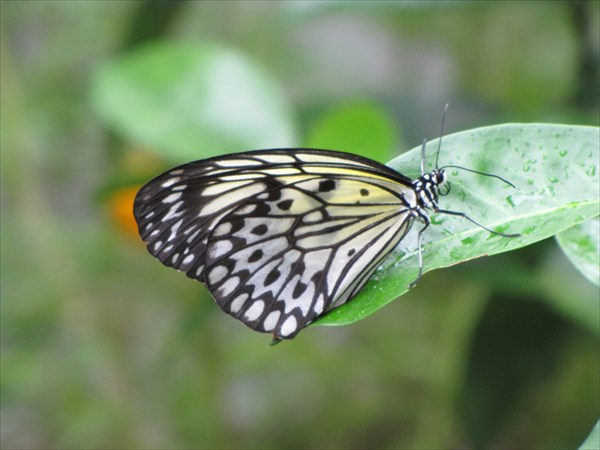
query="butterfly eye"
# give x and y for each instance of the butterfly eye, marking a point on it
(440, 177)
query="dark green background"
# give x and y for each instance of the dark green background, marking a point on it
(103, 347)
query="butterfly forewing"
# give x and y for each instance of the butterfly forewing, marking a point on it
(278, 237)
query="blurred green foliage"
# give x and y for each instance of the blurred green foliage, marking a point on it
(360, 127)
(173, 96)
(104, 347)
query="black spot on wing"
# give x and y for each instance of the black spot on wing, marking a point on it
(259, 230)
(285, 205)
(262, 209)
(272, 277)
(237, 223)
(274, 195)
(299, 290)
(256, 256)
(326, 185)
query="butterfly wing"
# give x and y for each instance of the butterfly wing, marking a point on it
(279, 237)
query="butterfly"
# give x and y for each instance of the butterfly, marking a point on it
(282, 236)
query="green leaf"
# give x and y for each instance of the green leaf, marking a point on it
(593, 440)
(581, 244)
(554, 170)
(363, 128)
(557, 283)
(188, 101)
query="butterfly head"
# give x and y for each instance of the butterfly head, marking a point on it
(430, 186)
(441, 182)
(439, 177)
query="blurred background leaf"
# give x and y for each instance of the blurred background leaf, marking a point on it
(360, 127)
(104, 347)
(581, 244)
(177, 98)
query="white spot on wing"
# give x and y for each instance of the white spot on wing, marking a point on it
(217, 274)
(271, 320)
(174, 229)
(245, 210)
(173, 211)
(229, 286)
(277, 158)
(227, 199)
(171, 181)
(289, 326)
(255, 310)
(282, 171)
(238, 302)
(219, 248)
(193, 236)
(222, 229)
(188, 259)
(319, 304)
(171, 198)
(189, 229)
(219, 188)
(314, 216)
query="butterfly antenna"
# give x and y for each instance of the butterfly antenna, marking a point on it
(480, 173)
(423, 156)
(437, 157)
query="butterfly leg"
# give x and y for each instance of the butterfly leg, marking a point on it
(427, 222)
(463, 215)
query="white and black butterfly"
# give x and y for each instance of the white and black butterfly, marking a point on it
(282, 236)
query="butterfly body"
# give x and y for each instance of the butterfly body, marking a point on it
(280, 237)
